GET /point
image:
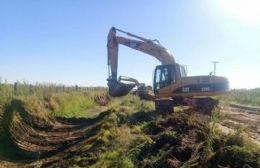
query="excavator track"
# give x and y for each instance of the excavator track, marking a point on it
(205, 105)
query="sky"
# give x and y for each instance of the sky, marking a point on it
(64, 41)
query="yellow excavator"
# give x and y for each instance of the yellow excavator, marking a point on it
(171, 85)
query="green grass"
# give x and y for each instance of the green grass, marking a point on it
(60, 101)
(234, 150)
(114, 159)
(70, 104)
(243, 96)
(40, 101)
(237, 150)
(130, 133)
(6, 93)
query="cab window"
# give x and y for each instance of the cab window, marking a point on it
(164, 76)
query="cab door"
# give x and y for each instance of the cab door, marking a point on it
(164, 76)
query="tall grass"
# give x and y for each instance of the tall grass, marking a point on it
(6, 93)
(59, 100)
(243, 96)
(70, 104)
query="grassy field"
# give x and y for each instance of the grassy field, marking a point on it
(243, 96)
(126, 133)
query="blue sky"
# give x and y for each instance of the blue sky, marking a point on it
(64, 41)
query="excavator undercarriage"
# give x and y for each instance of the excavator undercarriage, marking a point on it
(203, 105)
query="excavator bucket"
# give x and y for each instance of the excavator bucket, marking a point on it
(117, 88)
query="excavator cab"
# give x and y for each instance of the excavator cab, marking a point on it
(164, 75)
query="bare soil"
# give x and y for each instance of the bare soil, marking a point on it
(241, 117)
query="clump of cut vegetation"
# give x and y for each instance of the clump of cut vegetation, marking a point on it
(237, 151)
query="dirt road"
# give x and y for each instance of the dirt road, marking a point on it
(239, 116)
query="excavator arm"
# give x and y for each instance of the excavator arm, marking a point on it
(150, 47)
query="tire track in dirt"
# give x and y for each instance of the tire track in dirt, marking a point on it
(238, 116)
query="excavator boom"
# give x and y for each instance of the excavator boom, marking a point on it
(150, 47)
